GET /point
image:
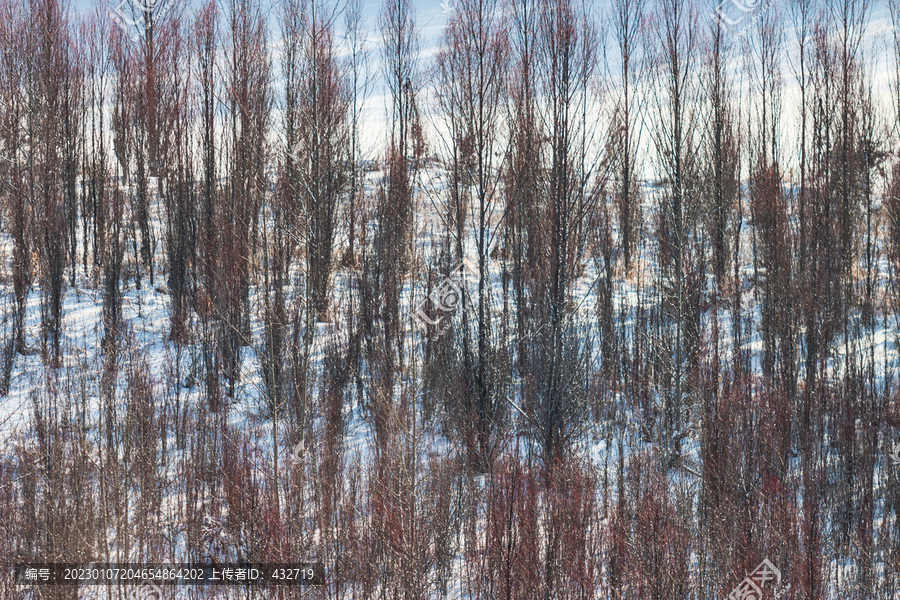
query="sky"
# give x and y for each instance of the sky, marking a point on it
(433, 15)
(431, 19)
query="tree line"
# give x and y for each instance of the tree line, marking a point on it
(615, 299)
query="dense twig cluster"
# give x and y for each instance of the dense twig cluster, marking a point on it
(498, 361)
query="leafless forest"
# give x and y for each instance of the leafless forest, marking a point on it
(565, 299)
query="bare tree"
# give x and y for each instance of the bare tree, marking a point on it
(50, 66)
(721, 148)
(205, 35)
(557, 369)
(627, 19)
(471, 69)
(675, 136)
(394, 210)
(358, 83)
(321, 149)
(180, 192)
(247, 103)
(150, 99)
(769, 208)
(13, 129)
(317, 173)
(523, 238)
